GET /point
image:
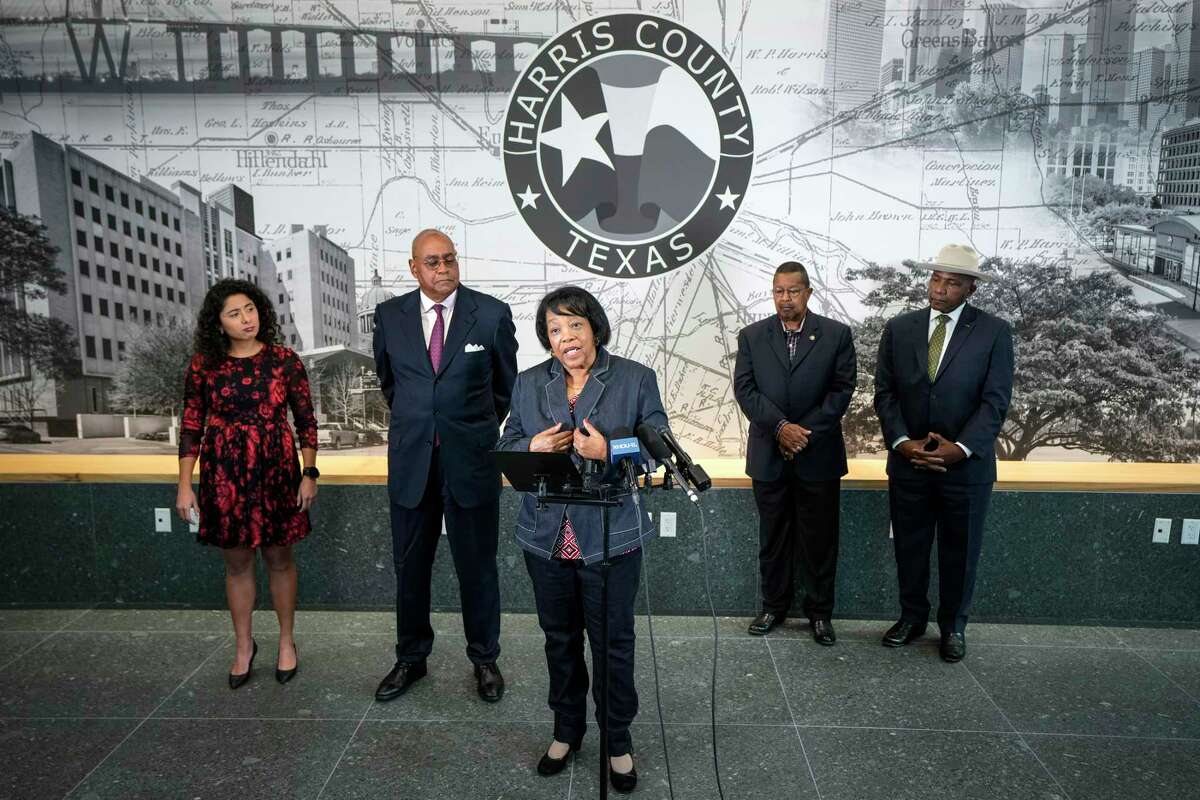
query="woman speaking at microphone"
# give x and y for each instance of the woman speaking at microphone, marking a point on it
(565, 405)
(253, 493)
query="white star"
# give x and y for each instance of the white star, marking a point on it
(529, 198)
(727, 198)
(575, 139)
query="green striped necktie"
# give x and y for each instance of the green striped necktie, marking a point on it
(935, 344)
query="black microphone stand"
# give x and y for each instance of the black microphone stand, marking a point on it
(593, 493)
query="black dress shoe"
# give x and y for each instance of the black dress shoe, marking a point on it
(285, 675)
(765, 622)
(822, 631)
(236, 681)
(491, 682)
(954, 647)
(552, 766)
(902, 633)
(402, 676)
(622, 782)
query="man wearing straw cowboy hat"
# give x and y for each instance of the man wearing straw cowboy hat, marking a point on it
(943, 383)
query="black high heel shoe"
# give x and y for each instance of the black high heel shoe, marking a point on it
(236, 681)
(622, 782)
(552, 766)
(285, 675)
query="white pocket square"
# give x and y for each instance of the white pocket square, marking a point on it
(474, 348)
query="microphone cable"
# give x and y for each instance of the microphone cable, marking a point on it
(716, 639)
(662, 727)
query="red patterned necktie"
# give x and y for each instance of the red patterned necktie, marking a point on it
(438, 339)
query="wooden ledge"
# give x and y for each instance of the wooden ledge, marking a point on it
(1045, 476)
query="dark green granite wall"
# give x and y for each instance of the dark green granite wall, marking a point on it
(1067, 557)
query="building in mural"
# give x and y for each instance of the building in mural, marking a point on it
(232, 249)
(317, 277)
(130, 256)
(1179, 169)
(1108, 59)
(891, 71)
(1170, 248)
(134, 254)
(999, 59)
(1145, 108)
(936, 49)
(853, 44)
(366, 311)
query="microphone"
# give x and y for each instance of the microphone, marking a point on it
(660, 452)
(690, 469)
(625, 451)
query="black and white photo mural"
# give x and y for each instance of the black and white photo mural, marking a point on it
(666, 156)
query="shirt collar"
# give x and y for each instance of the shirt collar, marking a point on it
(447, 304)
(785, 327)
(953, 315)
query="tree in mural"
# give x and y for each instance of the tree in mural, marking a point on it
(150, 379)
(28, 273)
(1085, 193)
(341, 386)
(974, 112)
(23, 400)
(1095, 371)
(987, 112)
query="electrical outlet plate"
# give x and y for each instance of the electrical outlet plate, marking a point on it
(1191, 531)
(1162, 531)
(162, 520)
(666, 524)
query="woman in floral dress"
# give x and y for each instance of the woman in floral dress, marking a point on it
(253, 493)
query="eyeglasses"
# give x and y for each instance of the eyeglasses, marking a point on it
(792, 292)
(432, 261)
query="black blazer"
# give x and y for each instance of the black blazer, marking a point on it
(813, 392)
(463, 403)
(966, 403)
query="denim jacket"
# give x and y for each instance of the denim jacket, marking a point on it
(619, 393)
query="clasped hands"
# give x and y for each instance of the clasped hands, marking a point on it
(792, 439)
(590, 445)
(946, 454)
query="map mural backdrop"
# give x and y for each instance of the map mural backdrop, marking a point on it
(151, 147)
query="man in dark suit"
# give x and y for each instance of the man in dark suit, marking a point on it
(446, 357)
(943, 383)
(794, 377)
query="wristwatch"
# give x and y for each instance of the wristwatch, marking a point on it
(311, 472)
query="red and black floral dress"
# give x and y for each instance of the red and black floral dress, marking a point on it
(235, 421)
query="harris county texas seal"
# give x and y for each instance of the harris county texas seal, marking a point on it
(628, 145)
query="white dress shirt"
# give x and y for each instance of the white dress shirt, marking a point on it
(429, 316)
(933, 323)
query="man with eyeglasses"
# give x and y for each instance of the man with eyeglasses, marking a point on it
(446, 357)
(795, 373)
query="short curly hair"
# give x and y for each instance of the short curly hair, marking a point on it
(210, 339)
(576, 302)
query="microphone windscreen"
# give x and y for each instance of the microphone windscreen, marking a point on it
(653, 443)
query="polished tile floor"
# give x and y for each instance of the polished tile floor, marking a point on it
(133, 704)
